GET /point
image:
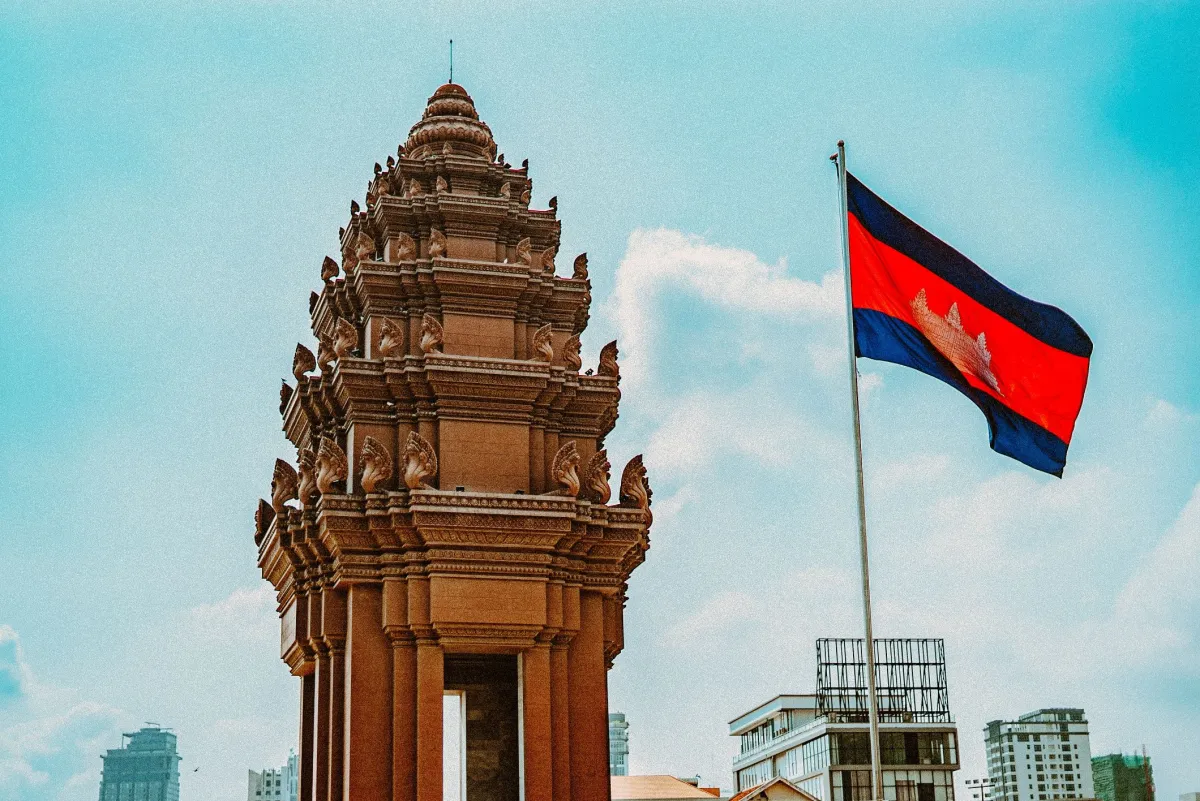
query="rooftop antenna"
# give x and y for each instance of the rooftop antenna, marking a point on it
(451, 61)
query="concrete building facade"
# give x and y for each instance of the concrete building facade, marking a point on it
(449, 524)
(821, 743)
(618, 744)
(1040, 756)
(144, 769)
(274, 784)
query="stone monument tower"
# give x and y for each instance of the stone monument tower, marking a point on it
(448, 525)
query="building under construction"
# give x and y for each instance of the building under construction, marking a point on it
(821, 742)
(144, 769)
(1123, 777)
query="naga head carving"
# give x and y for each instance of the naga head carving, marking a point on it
(420, 461)
(608, 361)
(581, 268)
(406, 248)
(506, 190)
(598, 490)
(263, 516)
(431, 333)
(525, 197)
(329, 269)
(543, 344)
(303, 362)
(345, 338)
(331, 465)
(570, 353)
(325, 352)
(437, 244)
(377, 464)
(548, 260)
(283, 485)
(285, 395)
(442, 185)
(564, 469)
(635, 487)
(306, 484)
(391, 338)
(414, 188)
(525, 251)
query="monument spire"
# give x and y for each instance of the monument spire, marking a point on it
(447, 527)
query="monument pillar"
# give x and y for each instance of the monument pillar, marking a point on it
(448, 522)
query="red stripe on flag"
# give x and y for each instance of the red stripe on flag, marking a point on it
(1037, 381)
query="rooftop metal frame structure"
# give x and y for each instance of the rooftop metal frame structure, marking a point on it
(910, 680)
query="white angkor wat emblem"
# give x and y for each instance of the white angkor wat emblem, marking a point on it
(970, 356)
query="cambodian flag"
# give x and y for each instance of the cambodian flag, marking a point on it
(920, 303)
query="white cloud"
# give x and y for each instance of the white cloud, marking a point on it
(725, 277)
(246, 614)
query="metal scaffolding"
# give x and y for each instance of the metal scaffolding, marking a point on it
(910, 680)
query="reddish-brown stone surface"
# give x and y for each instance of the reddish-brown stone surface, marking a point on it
(449, 384)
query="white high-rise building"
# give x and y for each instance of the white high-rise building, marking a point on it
(618, 744)
(1040, 756)
(274, 784)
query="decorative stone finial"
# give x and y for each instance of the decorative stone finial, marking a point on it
(450, 117)
(263, 516)
(331, 465)
(325, 354)
(431, 333)
(329, 269)
(506, 190)
(391, 162)
(406, 248)
(635, 488)
(437, 244)
(391, 338)
(283, 485)
(581, 272)
(285, 395)
(306, 486)
(525, 251)
(543, 345)
(313, 297)
(353, 207)
(303, 362)
(345, 338)
(442, 185)
(377, 464)
(564, 469)
(596, 476)
(608, 361)
(571, 359)
(420, 461)
(554, 203)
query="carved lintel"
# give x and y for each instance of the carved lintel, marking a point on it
(331, 465)
(596, 477)
(431, 333)
(420, 461)
(283, 485)
(543, 345)
(377, 464)
(564, 469)
(345, 338)
(608, 361)
(303, 362)
(570, 353)
(391, 339)
(581, 267)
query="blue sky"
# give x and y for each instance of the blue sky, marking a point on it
(172, 177)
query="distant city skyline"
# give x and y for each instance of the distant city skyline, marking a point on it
(174, 174)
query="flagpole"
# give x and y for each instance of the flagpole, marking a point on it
(872, 704)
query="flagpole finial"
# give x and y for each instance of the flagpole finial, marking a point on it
(451, 61)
